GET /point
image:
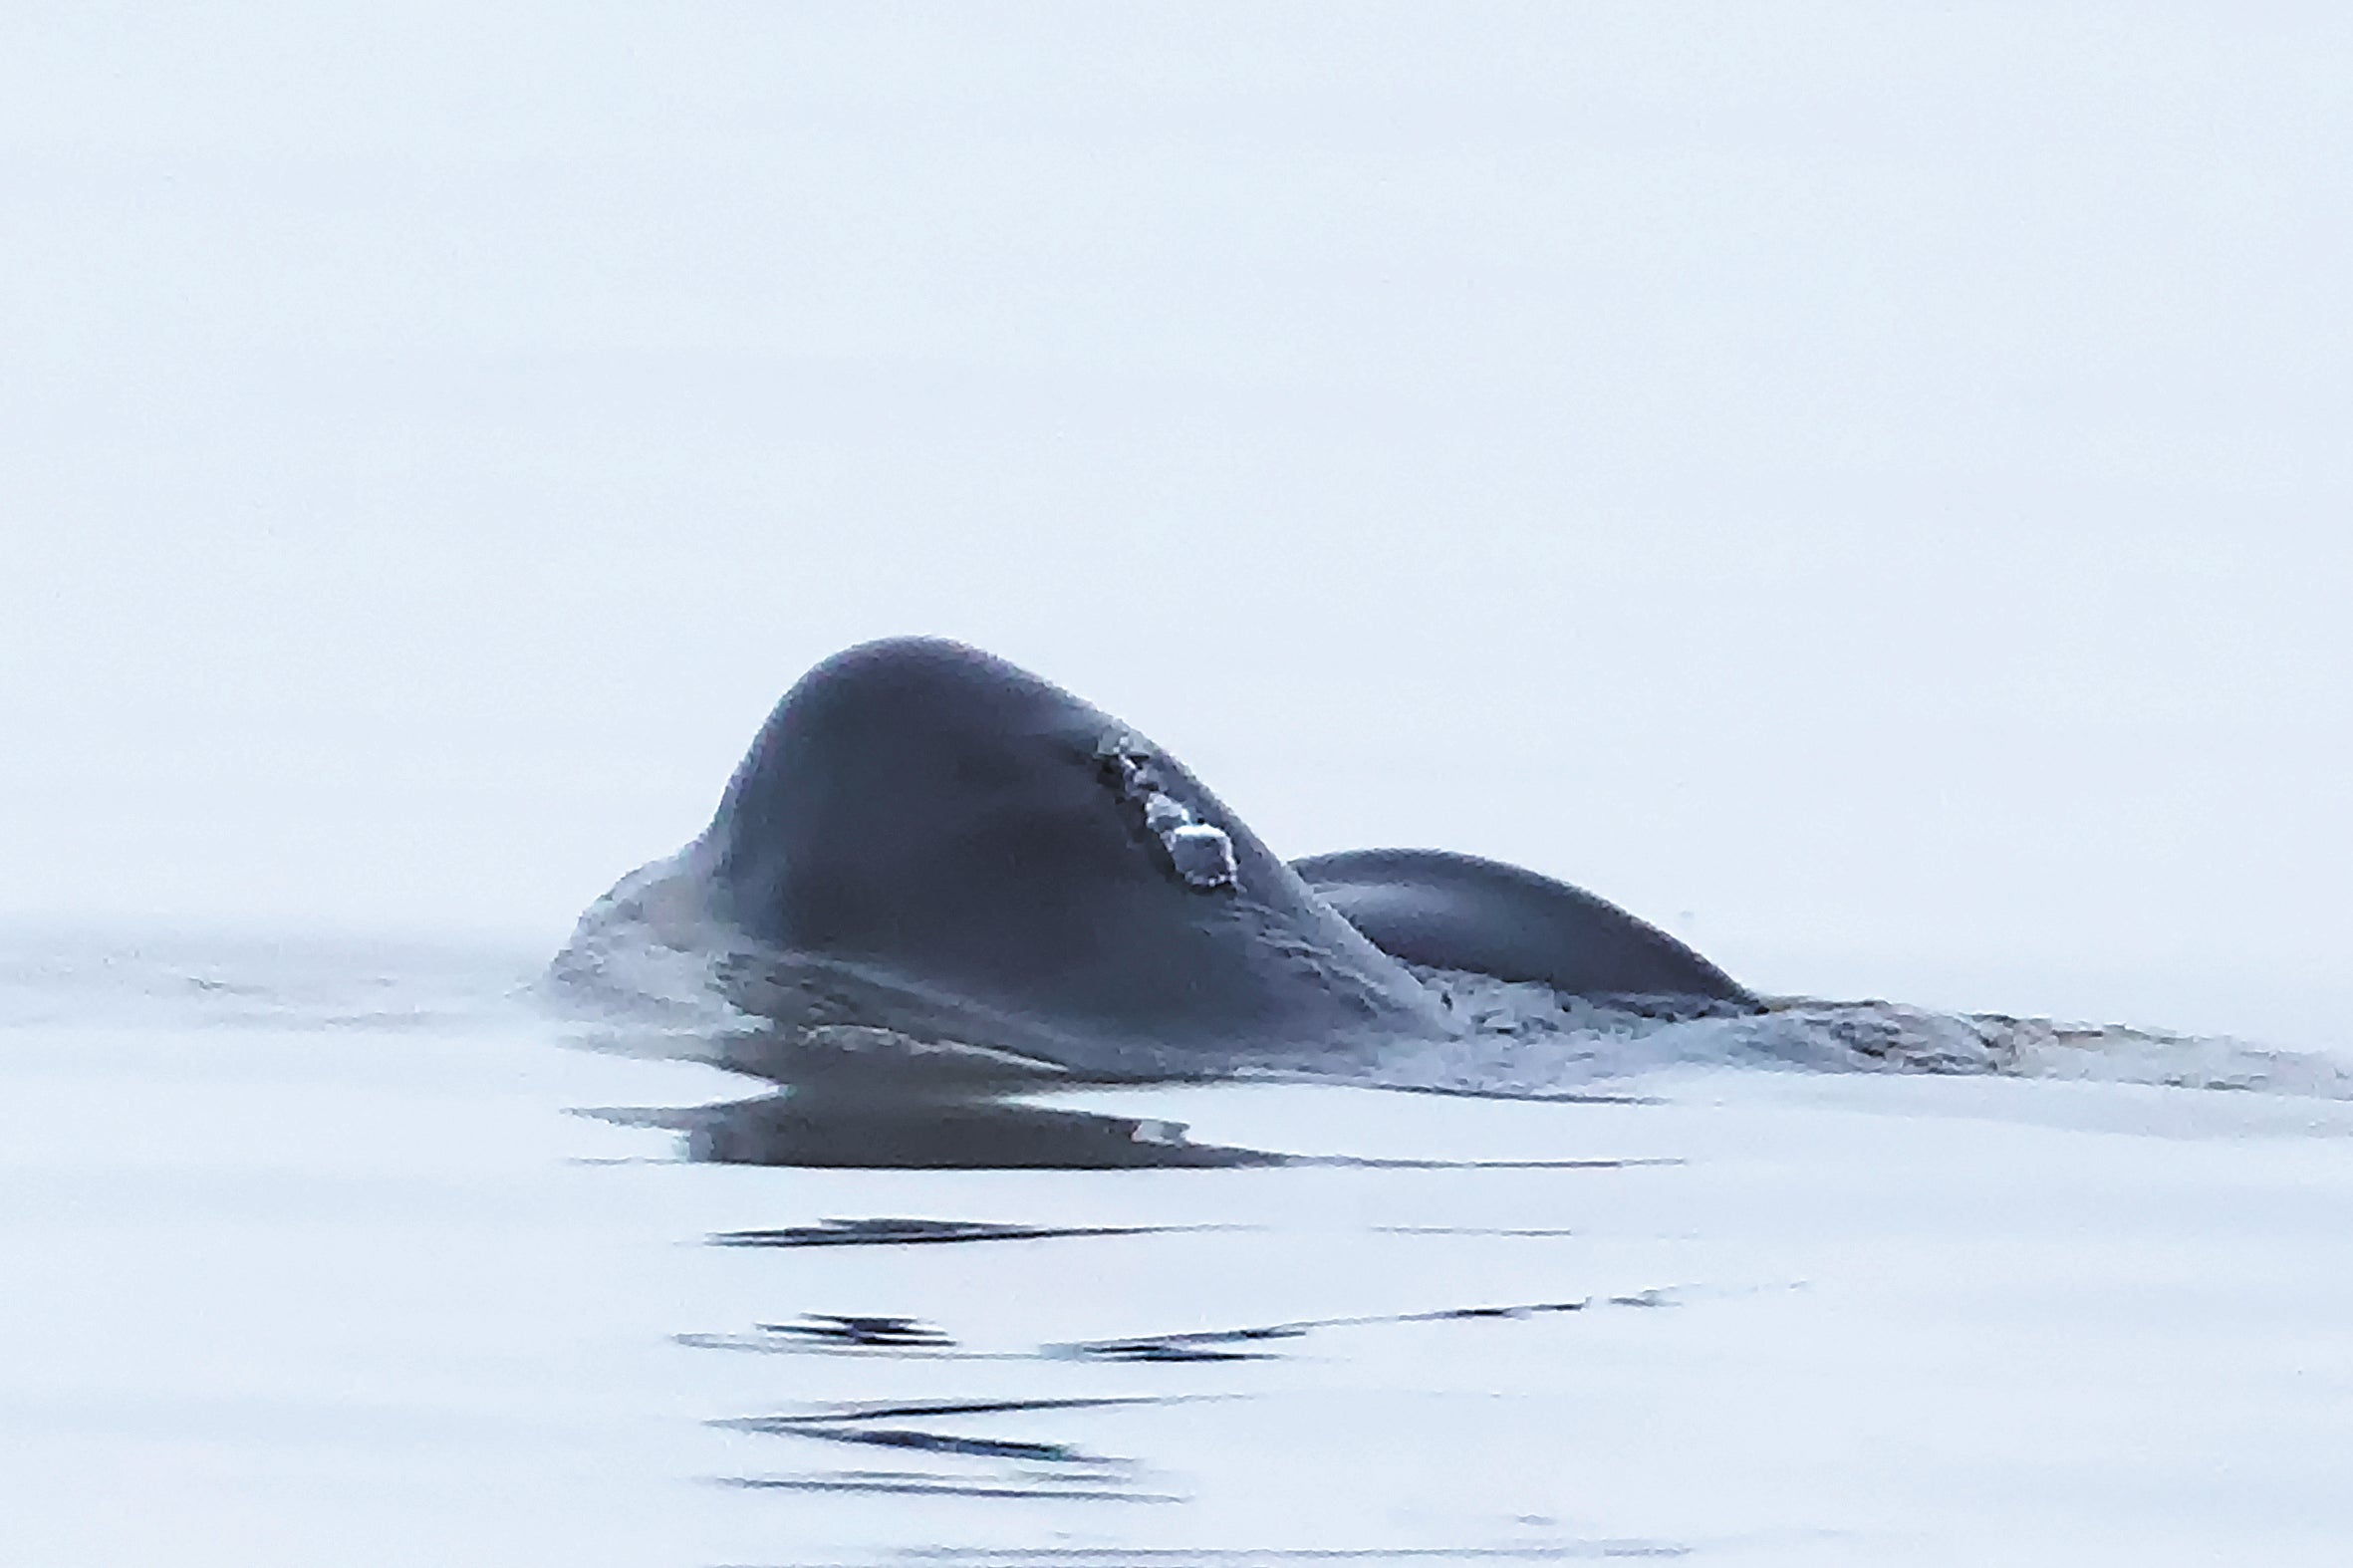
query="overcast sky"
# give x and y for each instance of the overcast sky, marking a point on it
(1865, 486)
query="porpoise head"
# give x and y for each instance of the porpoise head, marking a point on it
(981, 854)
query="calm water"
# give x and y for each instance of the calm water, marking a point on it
(311, 1259)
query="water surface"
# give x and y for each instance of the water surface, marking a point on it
(313, 1259)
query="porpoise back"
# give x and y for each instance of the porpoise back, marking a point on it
(1029, 874)
(1458, 911)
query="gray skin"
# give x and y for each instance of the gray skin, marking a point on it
(1457, 912)
(935, 874)
(928, 841)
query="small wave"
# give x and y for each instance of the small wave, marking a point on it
(658, 970)
(1529, 1040)
(652, 953)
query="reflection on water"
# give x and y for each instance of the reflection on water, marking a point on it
(898, 1232)
(966, 1451)
(927, 1132)
(993, 1423)
(1406, 1557)
(1023, 1447)
(1001, 1422)
(832, 1333)
(1079, 1338)
(827, 1130)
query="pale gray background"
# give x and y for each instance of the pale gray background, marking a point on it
(1863, 485)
